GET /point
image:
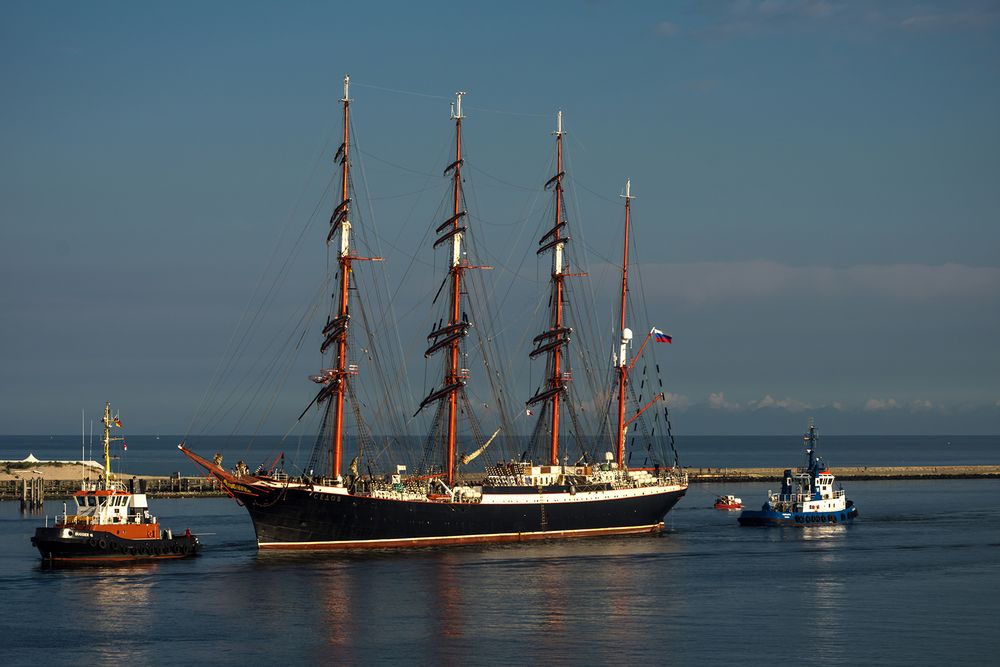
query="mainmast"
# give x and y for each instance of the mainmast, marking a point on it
(557, 335)
(626, 334)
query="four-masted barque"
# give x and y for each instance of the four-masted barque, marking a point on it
(514, 499)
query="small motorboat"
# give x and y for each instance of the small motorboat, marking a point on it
(728, 503)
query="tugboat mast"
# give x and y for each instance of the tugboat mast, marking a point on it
(108, 423)
(811, 439)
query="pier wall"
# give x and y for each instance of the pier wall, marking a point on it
(190, 487)
(160, 487)
(704, 475)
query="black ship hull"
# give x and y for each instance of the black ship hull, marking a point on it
(303, 518)
(102, 548)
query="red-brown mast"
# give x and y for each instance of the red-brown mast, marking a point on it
(626, 336)
(448, 336)
(334, 380)
(555, 380)
(452, 375)
(344, 260)
(557, 335)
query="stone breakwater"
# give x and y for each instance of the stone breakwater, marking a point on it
(704, 475)
(189, 487)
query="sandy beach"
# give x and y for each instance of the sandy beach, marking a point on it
(50, 470)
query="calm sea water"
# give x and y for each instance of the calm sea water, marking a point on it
(915, 581)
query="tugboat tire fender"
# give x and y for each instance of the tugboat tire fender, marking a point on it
(102, 545)
(92, 542)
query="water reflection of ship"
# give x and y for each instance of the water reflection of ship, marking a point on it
(116, 621)
(337, 596)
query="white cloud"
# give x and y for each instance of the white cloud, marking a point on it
(788, 404)
(740, 17)
(701, 282)
(811, 9)
(717, 401)
(880, 405)
(666, 28)
(703, 85)
(981, 18)
(677, 401)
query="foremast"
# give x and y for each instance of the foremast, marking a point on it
(335, 331)
(551, 341)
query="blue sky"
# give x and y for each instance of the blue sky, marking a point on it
(817, 181)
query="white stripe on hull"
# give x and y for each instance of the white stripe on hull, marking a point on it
(456, 539)
(578, 497)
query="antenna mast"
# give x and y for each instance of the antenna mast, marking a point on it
(109, 421)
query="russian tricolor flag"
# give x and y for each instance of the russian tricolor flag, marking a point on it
(662, 337)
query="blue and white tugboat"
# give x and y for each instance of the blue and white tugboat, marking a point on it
(807, 496)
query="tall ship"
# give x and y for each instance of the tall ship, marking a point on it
(110, 523)
(807, 497)
(472, 482)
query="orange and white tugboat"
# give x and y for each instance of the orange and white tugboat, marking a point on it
(728, 502)
(109, 523)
